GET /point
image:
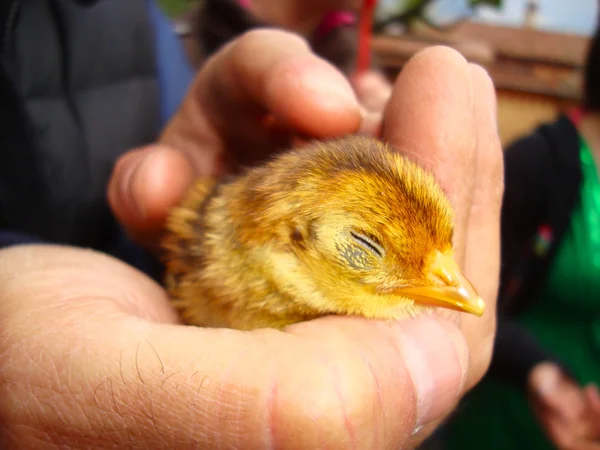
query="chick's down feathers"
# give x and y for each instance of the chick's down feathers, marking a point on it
(345, 226)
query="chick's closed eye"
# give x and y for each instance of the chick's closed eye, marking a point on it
(345, 226)
(368, 244)
(363, 252)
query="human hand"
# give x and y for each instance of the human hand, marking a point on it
(250, 99)
(92, 353)
(373, 91)
(454, 134)
(569, 414)
(592, 414)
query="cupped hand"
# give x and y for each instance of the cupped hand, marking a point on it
(92, 353)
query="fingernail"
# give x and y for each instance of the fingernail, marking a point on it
(436, 357)
(332, 90)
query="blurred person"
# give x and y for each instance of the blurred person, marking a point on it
(219, 21)
(92, 353)
(94, 79)
(331, 28)
(540, 391)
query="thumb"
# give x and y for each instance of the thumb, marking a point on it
(91, 353)
(146, 183)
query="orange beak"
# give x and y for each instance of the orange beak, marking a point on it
(457, 293)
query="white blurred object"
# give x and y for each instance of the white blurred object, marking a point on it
(531, 13)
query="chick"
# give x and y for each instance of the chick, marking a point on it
(345, 226)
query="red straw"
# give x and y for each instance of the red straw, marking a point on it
(365, 31)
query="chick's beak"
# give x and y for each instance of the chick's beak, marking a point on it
(456, 293)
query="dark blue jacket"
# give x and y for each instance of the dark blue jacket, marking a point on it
(81, 82)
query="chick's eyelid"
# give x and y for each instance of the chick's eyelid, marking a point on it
(368, 243)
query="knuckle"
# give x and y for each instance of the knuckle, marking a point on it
(360, 403)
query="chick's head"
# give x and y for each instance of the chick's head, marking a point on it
(369, 231)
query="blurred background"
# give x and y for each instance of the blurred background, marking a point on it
(533, 49)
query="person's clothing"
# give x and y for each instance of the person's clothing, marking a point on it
(543, 176)
(219, 21)
(562, 316)
(174, 72)
(81, 82)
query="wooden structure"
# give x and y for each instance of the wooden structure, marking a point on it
(536, 73)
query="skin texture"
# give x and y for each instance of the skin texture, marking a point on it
(91, 350)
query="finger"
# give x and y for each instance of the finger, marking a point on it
(373, 92)
(429, 118)
(592, 396)
(98, 371)
(226, 112)
(585, 445)
(265, 72)
(560, 434)
(557, 431)
(433, 118)
(482, 258)
(372, 89)
(371, 123)
(488, 188)
(565, 403)
(566, 437)
(543, 379)
(556, 392)
(145, 184)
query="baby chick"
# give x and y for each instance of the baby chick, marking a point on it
(345, 226)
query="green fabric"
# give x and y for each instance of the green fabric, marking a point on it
(565, 318)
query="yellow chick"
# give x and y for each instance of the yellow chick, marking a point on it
(345, 226)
